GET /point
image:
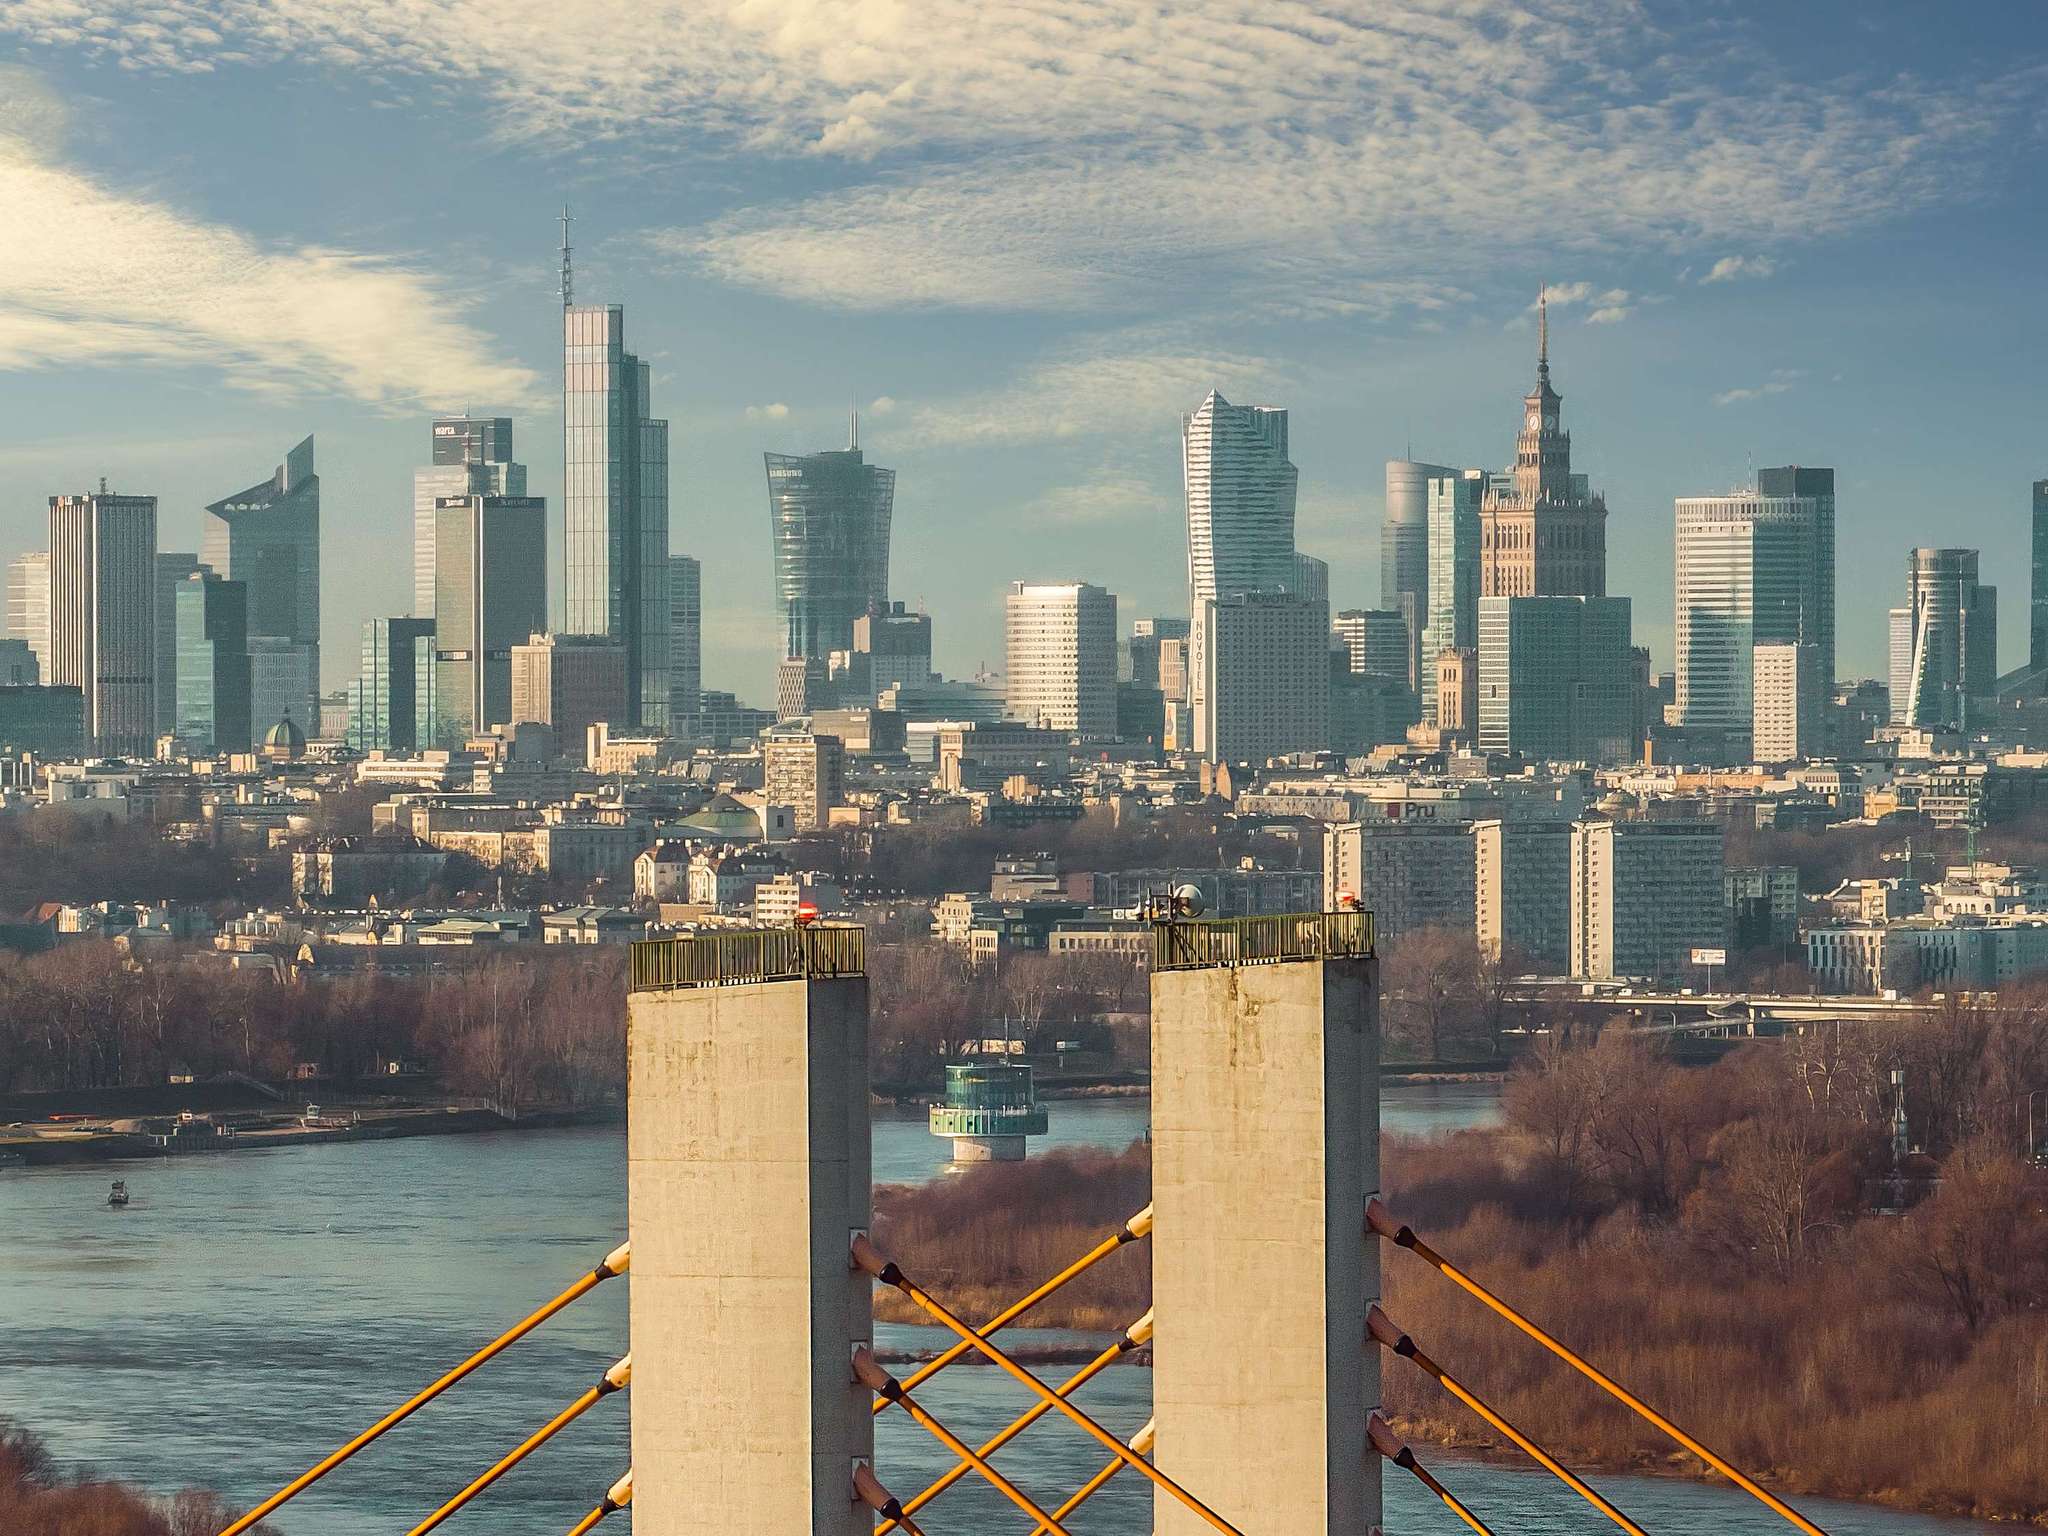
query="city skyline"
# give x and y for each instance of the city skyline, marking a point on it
(1029, 393)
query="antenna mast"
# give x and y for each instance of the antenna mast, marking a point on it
(568, 287)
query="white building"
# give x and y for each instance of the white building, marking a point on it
(1259, 675)
(1787, 698)
(28, 605)
(1060, 649)
(103, 592)
(1240, 498)
(1750, 571)
(779, 899)
(1644, 895)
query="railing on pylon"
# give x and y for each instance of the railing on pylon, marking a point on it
(726, 957)
(1185, 944)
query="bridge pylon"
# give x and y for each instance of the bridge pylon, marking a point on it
(1265, 1149)
(748, 1178)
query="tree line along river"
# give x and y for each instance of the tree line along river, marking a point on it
(248, 1313)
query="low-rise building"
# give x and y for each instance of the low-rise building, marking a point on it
(1763, 906)
(353, 869)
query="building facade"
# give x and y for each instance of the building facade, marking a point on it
(28, 604)
(615, 507)
(1451, 615)
(1644, 895)
(469, 456)
(1554, 678)
(490, 576)
(385, 713)
(268, 538)
(1944, 641)
(1544, 534)
(829, 517)
(1060, 650)
(569, 683)
(685, 639)
(171, 571)
(893, 648)
(48, 721)
(103, 615)
(281, 685)
(1788, 721)
(1751, 570)
(2037, 631)
(1240, 490)
(1374, 640)
(212, 696)
(803, 771)
(1259, 677)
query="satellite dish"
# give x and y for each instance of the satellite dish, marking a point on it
(1189, 901)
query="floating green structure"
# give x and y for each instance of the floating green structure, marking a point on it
(990, 1108)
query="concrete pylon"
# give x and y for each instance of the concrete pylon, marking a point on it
(748, 1176)
(1265, 1148)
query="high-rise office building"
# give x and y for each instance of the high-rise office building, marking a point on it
(470, 456)
(829, 515)
(1554, 678)
(28, 604)
(171, 571)
(384, 714)
(1149, 668)
(1060, 645)
(1789, 700)
(282, 685)
(490, 594)
(268, 538)
(2037, 633)
(685, 638)
(1752, 569)
(569, 683)
(1405, 535)
(1259, 677)
(1818, 486)
(615, 511)
(1240, 490)
(1451, 617)
(103, 615)
(212, 697)
(18, 665)
(1374, 640)
(1944, 641)
(897, 645)
(1545, 535)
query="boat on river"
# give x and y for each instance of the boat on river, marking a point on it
(118, 1195)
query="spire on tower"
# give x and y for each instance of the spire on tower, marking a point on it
(1543, 329)
(852, 424)
(568, 289)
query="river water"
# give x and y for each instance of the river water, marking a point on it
(252, 1310)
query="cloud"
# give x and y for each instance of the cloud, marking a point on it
(1091, 154)
(94, 275)
(881, 405)
(1781, 380)
(1729, 268)
(1124, 384)
(1609, 314)
(775, 412)
(1111, 495)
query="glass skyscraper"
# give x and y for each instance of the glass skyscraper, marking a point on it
(472, 456)
(829, 518)
(268, 538)
(2037, 632)
(1944, 650)
(491, 593)
(212, 705)
(385, 712)
(1240, 494)
(103, 615)
(1452, 621)
(615, 508)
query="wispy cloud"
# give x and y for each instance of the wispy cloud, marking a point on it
(1731, 268)
(1780, 380)
(1112, 494)
(777, 411)
(91, 274)
(1090, 154)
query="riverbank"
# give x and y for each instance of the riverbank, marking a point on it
(44, 1144)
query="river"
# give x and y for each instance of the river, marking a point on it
(251, 1310)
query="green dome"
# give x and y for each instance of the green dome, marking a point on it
(285, 736)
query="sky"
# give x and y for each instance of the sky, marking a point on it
(1024, 238)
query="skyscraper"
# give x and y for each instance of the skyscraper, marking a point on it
(103, 615)
(615, 511)
(490, 594)
(171, 571)
(385, 712)
(2037, 634)
(1752, 569)
(828, 521)
(212, 698)
(1405, 551)
(1240, 496)
(1546, 536)
(471, 456)
(1555, 677)
(268, 538)
(281, 685)
(897, 645)
(1947, 638)
(1149, 669)
(1788, 699)
(1374, 640)
(568, 683)
(28, 604)
(1451, 622)
(685, 638)
(1818, 486)
(1259, 676)
(1061, 656)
